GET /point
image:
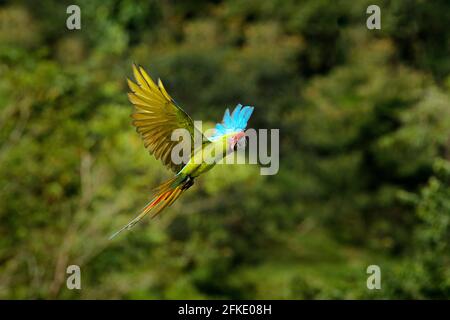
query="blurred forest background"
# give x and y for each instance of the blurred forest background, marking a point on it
(364, 119)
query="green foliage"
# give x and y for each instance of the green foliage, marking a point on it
(426, 274)
(364, 119)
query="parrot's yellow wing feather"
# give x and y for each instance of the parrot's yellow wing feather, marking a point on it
(156, 116)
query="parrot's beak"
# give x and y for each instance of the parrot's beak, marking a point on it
(236, 139)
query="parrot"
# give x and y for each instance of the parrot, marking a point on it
(156, 115)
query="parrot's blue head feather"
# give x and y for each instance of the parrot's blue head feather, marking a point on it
(234, 122)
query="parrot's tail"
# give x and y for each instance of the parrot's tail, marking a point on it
(164, 195)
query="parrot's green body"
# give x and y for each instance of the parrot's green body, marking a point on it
(156, 117)
(206, 158)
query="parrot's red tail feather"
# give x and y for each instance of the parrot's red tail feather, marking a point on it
(165, 195)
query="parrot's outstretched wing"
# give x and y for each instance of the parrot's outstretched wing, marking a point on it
(156, 116)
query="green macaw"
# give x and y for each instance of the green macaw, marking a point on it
(156, 115)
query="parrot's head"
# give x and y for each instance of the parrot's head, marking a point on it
(237, 141)
(232, 128)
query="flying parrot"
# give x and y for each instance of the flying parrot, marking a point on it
(156, 115)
